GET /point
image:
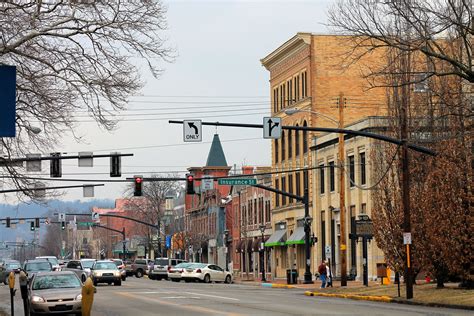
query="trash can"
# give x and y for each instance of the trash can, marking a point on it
(292, 276)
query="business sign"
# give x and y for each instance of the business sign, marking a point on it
(237, 181)
(7, 100)
(364, 228)
(168, 241)
(207, 184)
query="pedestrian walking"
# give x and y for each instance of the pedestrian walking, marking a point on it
(322, 274)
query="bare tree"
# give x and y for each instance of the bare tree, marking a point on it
(75, 58)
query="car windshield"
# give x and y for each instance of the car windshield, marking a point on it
(38, 266)
(197, 265)
(53, 261)
(13, 265)
(88, 263)
(161, 262)
(62, 281)
(105, 266)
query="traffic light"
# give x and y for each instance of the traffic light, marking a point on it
(55, 169)
(8, 222)
(32, 226)
(37, 222)
(138, 186)
(63, 225)
(115, 166)
(189, 184)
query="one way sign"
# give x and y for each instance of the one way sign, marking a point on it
(192, 131)
(272, 127)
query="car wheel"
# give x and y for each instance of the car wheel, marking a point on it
(174, 280)
(124, 278)
(228, 279)
(139, 274)
(118, 283)
(207, 278)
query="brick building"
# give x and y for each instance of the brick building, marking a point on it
(308, 74)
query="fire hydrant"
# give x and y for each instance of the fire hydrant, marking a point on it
(88, 291)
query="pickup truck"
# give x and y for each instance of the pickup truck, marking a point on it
(140, 267)
(82, 268)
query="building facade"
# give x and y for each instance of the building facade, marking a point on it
(309, 79)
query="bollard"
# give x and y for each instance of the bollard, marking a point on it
(88, 291)
(24, 292)
(11, 283)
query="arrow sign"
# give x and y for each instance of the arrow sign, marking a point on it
(192, 131)
(271, 127)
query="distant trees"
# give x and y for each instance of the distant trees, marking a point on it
(429, 78)
(75, 58)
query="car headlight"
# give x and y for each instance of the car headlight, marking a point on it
(117, 273)
(95, 274)
(37, 299)
(78, 297)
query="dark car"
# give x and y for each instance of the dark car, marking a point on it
(31, 267)
(7, 267)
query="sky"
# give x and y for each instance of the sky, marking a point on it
(216, 76)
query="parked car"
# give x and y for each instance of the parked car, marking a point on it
(79, 268)
(140, 267)
(7, 267)
(105, 271)
(174, 273)
(161, 266)
(31, 267)
(121, 266)
(128, 267)
(54, 262)
(206, 273)
(55, 293)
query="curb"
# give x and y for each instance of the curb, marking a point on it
(278, 286)
(387, 299)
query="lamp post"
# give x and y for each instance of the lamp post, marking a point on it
(262, 230)
(226, 238)
(307, 243)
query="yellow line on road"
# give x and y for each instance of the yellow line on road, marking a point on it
(181, 306)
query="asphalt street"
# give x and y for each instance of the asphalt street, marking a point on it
(142, 297)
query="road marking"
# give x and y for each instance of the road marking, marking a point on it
(216, 296)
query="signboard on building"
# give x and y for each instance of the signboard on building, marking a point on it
(237, 181)
(207, 184)
(364, 228)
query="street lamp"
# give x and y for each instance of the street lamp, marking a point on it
(226, 237)
(262, 230)
(340, 124)
(307, 243)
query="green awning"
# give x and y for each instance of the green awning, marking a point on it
(297, 238)
(277, 239)
(121, 251)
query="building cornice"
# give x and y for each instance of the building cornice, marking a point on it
(293, 44)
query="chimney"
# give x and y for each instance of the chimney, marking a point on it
(247, 170)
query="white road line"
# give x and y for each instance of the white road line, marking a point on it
(216, 296)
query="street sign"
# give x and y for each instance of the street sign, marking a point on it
(95, 217)
(33, 165)
(61, 217)
(327, 249)
(364, 228)
(7, 100)
(207, 184)
(272, 127)
(85, 224)
(407, 238)
(192, 131)
(237, 181)
(86, 159)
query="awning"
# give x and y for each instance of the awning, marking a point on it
(277, 239)
(121, 251)
(297, 238)
(256, 244)
(238, 247)
(249, 245)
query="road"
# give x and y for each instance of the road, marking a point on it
(143, 297)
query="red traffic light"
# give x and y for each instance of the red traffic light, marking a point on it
(190, 178)
(138, 180)
(190, 184)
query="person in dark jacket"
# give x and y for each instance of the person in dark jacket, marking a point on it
(322, 274)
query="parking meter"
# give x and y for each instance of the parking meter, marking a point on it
(11, 280)
(23, 285)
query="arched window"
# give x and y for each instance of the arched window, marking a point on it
(276, 150)
(297, 142)
(305, 139)
(290, 144)
(283, 146)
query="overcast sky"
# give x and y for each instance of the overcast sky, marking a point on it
(217, 76)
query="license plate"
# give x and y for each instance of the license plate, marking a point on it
(107, 274)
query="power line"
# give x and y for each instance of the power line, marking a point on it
(180, 108)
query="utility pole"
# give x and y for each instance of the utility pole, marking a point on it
(342, 196)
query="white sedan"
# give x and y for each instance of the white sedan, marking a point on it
(206, 273)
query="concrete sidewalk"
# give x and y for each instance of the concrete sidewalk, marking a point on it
(281, 283)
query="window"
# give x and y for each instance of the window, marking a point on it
(290, 144)
(290, 186)
(351, 172)
(362, 168)
(298, 183)
(297, 142)
(290, 92)
(363, 208)
(305, 138)
(305, 89)
(267, 212)
(277, 196)
(244, 215)
(282, 96)
(261, 211)
(353, 241)
(249, 210)
(323, 234)
(275, 100)
(297, 88)
(332, 175)
(420, 83)
(283, 188)
(255, 212)
(276, 150)
(321, 179)
(283, 146)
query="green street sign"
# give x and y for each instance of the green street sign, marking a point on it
(237, 181)
(85, 224)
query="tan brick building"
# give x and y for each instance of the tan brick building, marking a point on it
(308, 73)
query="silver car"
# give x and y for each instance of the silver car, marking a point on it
(80, 267)
(55, 293)
(105, 271)
(53, 260)
(174, 273)
(206, 273)
(161, 266)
